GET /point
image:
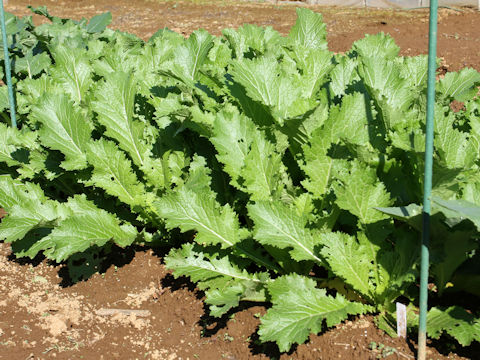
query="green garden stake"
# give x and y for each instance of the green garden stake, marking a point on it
(8, 75)
(427, 183)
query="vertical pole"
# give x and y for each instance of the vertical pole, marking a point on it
(7, 69)
(427, 183)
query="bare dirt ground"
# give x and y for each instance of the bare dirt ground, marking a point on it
(44, 316)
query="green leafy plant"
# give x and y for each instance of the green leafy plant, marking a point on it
(272, 154)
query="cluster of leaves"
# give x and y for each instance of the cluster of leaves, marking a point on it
(286, 161)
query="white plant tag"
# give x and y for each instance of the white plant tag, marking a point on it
(401, 320)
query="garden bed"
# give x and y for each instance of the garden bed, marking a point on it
(44, 315)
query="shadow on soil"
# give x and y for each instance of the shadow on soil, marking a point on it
(181, 282)
(212, 325)
(81, 266)
(269, 349)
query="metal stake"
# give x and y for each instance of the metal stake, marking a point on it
(8, 75)
(427, 183)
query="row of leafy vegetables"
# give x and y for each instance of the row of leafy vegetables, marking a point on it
(295, 173)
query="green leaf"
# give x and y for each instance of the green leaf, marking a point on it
(299, 308)
(390, 90)
(301, 130)
(21, 149)
(32, 65)
(379, 46)
(350, 121)
(265, 81)
(13, 140)
(456, 322)
(112, 171)
(190, 210)
(359, 191)
(226, 283)
(42, 11)
(415, 70)
(262, 169)
(114, 105)
(259, 78)
(252, 38)
(189, 57)
(319, 168)
(315, 65)
(64, 128)
(233, 135)
(460, 209)
(460, 85)
(73, 71)
(455, 148)
(87, 226)
(33, 90)
(457, 247)
(27, 208)
(339, 249)
(282, 227)
(471, 192)
(13, 25)
(395, 269)
(343, 75)
(309, 30)
(402, 212)
(98, 23)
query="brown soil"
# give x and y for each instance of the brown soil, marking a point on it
(43, 316)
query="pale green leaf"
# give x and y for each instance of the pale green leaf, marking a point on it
(73, 71)
(359, 191)
(299, 308)
(339, 251)
(391, 91)
(415, 70)
(226, 283)
(455, 148)
(114, 105)
(379, 46)
(189, 210)
(27, 208)
(309, 30)
(98, 23)
(249, 37)
(262, 169)
(32, 65)
(460, 85)
(315, 64)
(33, 90)
(265, 81)
(349, 121)
(456, 322)
(460, 209)
(13, 141)
(280, 226)
(112, 171)
(87, 226)
(343, 74)
(233, 135)
(189, 57)
(64, 128)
